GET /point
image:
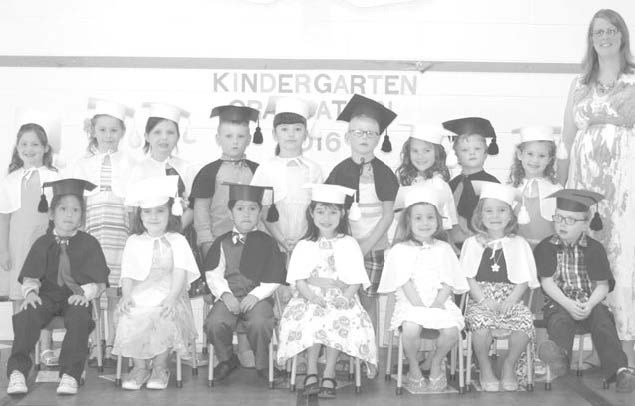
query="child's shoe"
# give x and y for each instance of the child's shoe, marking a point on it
(159, 378)
(438, 384)
(50, 358)
(68, 385)
(625, 380)
(136, 378)
(555, 357)
(17, 384)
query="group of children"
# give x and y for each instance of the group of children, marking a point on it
(253, 231)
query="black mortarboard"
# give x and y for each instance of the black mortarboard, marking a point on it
(239, 114)
(69, 186)
(250, 193)
(579, 201)
(474, 125)
(360, 105)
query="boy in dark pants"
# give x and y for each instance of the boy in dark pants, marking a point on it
(576, 277)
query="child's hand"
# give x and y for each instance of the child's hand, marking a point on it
(32, 299)
(505, 306)
(233, 305)
(575, 309)
(167, 307)
(586, 309)
(248, 303)
(318, 300)
(78, 300)
(437, 305)
(126, 303)
(491, 304)
(5, 261)
(338, 284)
(284, 294)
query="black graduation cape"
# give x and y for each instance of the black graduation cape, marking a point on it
(205, 180)
(261, 260)
(468, 201)
(88, 264)
(597, 264)
(347, 174)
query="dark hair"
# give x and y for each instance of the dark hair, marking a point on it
(590, 64)
(47, 159)
(477, 221)
(464, 137)
(153, 122)
(89, 127)
(404, 226)
(174, 222)
(55, 201)
(517, 172)
(313, 232)
(407, 172)
(232, 203)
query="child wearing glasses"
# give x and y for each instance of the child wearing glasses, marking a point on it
(375, 187)
(576, 277)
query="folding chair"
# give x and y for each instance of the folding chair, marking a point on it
(426, 334)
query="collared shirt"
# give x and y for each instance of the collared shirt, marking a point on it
(571, 274)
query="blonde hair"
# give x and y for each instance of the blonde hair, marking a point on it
(477, 221)
(404, 226)
(517, 172)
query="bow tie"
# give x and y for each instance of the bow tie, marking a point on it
(238, 238)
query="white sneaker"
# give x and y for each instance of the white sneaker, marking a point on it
(136, 379)
(17, 384)
(68, 385)
(159, 379)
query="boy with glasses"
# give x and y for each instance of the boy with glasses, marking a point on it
(576, 277)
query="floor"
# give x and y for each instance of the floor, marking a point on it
(244, 388)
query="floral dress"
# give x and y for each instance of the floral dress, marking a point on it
(602, 161)
(144, 333)
(343, 324)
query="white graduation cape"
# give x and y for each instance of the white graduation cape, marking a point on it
(274, 173)
(11, 187)
(545, 188)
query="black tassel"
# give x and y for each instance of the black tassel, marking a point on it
(258, 134)
(596, 222)
(492, 149)
(43, 206)
(272, 214)
(386, 146)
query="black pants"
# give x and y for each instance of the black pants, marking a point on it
(27, 324)
(561, 328)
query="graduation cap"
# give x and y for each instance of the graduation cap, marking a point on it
(326, 193)
(474, 125)
(170, 112)
(68, 186)
(251, 193)
(498, 191)
(579, 201)
(155, 191)
(110, 108)
(542, 133)
(239, 114)
(290, 110)
(414, 194)
(360, 105)
(435, 134)
(48, 120)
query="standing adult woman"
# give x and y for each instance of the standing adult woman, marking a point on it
(598, 132)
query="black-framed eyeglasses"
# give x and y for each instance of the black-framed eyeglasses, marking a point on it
(609, 32)
(362, 133)
(566, 220)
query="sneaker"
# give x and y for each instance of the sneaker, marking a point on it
(17, 384)
(555, 357)
(136, 378)
(159, 378)
(68, 385)
(625, 380)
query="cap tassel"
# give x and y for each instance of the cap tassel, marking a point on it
(492, 149)
(177, 207)
(272, 214)
(386, 146)
(523, 215)
(355, 213)
(258, 134)
(596, 222)
(43, 205)
(561, 151)
(451, 161)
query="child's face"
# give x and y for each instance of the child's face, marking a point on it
(290, 137)
(326, 218)
(423, 221)
(67, 215)
(233, 139)
(108, 132)
(422, 154)
(363, 135)
(496, 214)
(245, 215)
(471, 152)
(155, 219)
(570, 233)
(534, 156)
(30, 150)
(163, 137)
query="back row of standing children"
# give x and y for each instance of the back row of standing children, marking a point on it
(154, 265)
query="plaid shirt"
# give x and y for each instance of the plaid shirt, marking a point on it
(571, 274)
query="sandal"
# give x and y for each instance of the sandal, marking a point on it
(312, 388)
(328, 392)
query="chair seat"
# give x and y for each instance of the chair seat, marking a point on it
(500, 333)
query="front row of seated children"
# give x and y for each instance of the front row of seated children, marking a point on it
(244, 267)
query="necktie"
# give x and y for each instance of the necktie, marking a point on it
(64, 276)
(106, 174)
(468, 199)
(238, 238)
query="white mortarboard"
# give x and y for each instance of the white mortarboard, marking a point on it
(286, 104)
(170, 112)
(433, 133)
(492, 190)
(420, 193)
(153, 192)
(48, 120)
(100, 106)
(324, 193)
(537, 133)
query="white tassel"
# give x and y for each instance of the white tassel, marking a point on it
(177, 207)
(135, 140)
(355, 214)
(561, 151)
(523, 215)
(451, 161)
